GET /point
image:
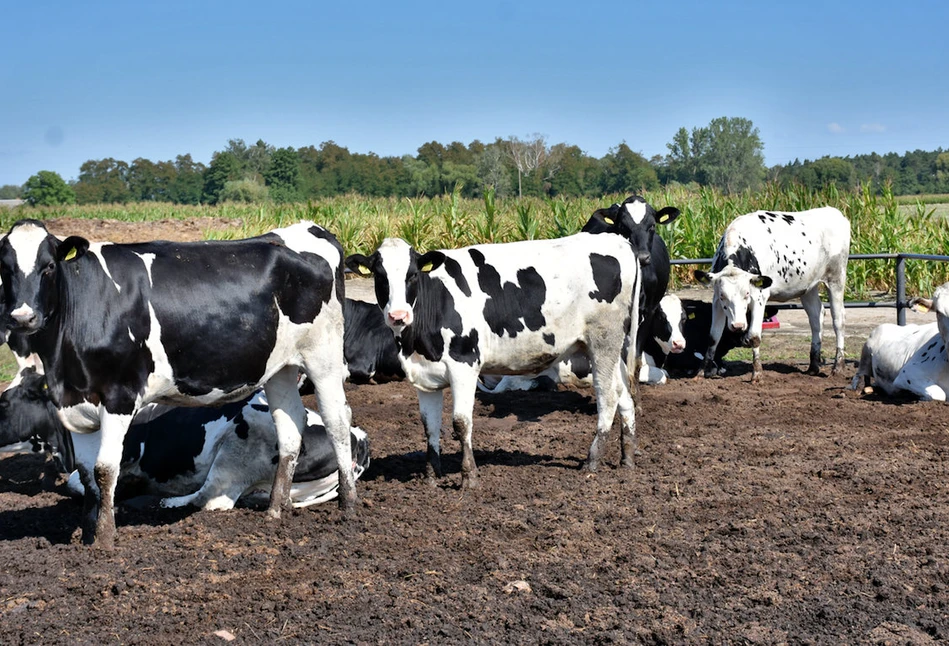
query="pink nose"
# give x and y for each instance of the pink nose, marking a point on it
(678, 346)
(398, 317)
(737, 327)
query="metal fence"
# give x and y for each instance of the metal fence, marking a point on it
(900, 304)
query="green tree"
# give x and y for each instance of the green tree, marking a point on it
(626, 171)
(243, 190)
(47, 188)
(103, 181)
(10, 192)
(224, 168)
(283, 176)
(189, 180)
(727, 154)
(151, 182)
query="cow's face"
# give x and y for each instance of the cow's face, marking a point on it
(396, 269)
(735, 291)
(670, 324)
(634, 219)
(27, 268)
(939, 303)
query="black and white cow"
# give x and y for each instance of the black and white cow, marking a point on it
(204, 457)
(696, 323)
(771, 255)
(663, 338)
(909, 358)
(124, 325)
(371, 353)
(511, 308)
(636, 220)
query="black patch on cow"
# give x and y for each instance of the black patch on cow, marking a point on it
(434, 308)
(743, 258)
(510, 308)
(549, 338)
(606, 276)
(241, 427)
(464, 348)
(453, 267)
(260, 407)
(368, 344)
(787, 217)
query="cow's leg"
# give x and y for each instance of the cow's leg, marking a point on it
(289, 418)
(627, 413)
(837, 315)
(430, 405)
(815, 316)
(715, 336)
(753, 338)
(607, 396)
(86, 451)
(113, 427)
(463, 387)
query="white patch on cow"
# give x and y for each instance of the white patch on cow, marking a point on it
(24, 311)
(396, 256)
(96, 250)
(148, 259)
(298, 238)
(26, 244)
(671, 307)
(131, 336)
(636, 210)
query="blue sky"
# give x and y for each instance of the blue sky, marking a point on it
(83, 81)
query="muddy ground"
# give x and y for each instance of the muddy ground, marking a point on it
(789, 512)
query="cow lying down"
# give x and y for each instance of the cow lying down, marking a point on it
(205, 457)
(909, 358)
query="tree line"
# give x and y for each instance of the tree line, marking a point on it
(727, 155)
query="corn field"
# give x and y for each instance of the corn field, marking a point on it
(879, 223)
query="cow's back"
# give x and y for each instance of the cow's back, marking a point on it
(795, 249)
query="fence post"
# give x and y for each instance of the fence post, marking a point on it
(900, 290)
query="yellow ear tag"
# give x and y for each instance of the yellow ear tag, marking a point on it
(663, 218)
(363, 270)
(921, 308)
(608, 221)
(691, 316)
(427, 267)
(70, 254)
(45, 386)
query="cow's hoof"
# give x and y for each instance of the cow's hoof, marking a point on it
(470, 482)
(273, 513)
(627, 463)
(813, 371)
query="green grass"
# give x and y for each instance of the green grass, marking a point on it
(879, 223)
(8, 366)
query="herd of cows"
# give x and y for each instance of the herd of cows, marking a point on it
(179, 367)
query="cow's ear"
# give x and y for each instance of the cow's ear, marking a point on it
(761, 282)
(430, 261)
(359, 264)
(667, 215)
(703, 277)
(920, 304)
(71, 248)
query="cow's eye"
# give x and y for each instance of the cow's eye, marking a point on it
(49, 268)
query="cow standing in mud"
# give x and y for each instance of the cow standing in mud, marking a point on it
(513, 308)
(771, 255)
(124, 325)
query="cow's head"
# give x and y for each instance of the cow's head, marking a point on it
(939, 303)
(635, 220)
(26, 414)
(735, 290)
(396, 268)
(29, 259)
(669, 324)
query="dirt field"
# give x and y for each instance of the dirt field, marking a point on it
(790, 512)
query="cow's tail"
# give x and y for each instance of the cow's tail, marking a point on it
(865, 369)
(632, 360)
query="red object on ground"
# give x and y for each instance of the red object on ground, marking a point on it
(771, 323)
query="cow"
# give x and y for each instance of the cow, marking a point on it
(206, 323)
(368, 344)
(636, 220)
(773, 255)
(204, 457)
(909, 358)
(695, 323)
(509, 308)
(663, 338)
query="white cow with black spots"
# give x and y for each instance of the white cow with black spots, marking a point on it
(512, 308)
(909, 358)
(778, 256)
